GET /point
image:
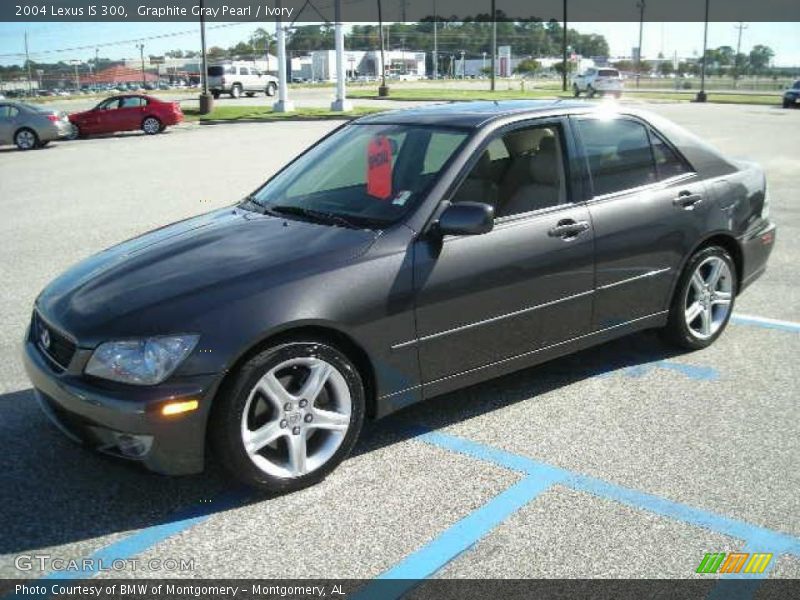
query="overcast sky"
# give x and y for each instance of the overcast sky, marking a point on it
(64, 41)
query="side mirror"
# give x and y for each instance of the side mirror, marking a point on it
(466, 218)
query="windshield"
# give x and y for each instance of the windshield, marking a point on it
(366, 175)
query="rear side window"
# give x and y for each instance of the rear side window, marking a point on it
(668, 163)
(608, 73)
(244, 71)
(215, 71)
(133, 102)
(8, 112)
(619, 154)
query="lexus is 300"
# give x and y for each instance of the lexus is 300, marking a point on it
(405, 255)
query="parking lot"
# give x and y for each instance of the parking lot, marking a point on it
(626, 460)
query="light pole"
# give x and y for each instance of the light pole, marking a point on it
(382, 89)
(435, 45)
(283, 104)
(141, 53)
(206, 99)
(564, 51)
(494, 43)
(463, 66)
(741, 26)
(640, 6)
(340, 103)
(701, 95)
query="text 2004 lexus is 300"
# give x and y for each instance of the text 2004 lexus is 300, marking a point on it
(405, 255)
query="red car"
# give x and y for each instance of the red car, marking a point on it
(126, 113)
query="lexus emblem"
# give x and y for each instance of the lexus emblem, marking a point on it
(44, 338)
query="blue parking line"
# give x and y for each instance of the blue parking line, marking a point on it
(756, 321)
(761, 537)
(457, 539)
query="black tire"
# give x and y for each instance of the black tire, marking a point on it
(216, 95)
(575, 90)
(236, 91)
(677, 332)
(225, 426)
(26, 139)
(786, 104)
(75, 133)
(272, 89)
(590, 92)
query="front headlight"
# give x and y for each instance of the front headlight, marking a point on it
(145, 361)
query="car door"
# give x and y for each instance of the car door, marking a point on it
(647, 210)
(525, 285)
(7, 116)
(130, 113)
(103, 118)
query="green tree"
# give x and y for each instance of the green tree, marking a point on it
(760, 56)
(527, 66)
(666, 68)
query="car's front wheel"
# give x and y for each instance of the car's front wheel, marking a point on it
(236, 91)
(290, 416)
(703, 300)
(272, 89)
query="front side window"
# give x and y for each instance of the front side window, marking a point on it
(519, 172)
(619, 154)
(365, 175)
(110, 104)
(244, 71)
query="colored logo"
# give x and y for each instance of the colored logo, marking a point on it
(734, 562)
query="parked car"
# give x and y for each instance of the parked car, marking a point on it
(598, 81)
(237, 78)
(127, 113)
(405, 255)
(30, 126)
(791, 97)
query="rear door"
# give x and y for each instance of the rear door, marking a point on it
(647, 209)
(523, 286)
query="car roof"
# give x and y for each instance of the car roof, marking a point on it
(476, 113)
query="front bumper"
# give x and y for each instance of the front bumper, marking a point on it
(125, 420)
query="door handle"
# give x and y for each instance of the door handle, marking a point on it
(568, 229)
(686, 199)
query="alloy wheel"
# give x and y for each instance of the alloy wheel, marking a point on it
(296, 417)
(151, 125)
(25, 139)
(708, 297)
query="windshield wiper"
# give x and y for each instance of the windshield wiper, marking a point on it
(314, 215)
(251, 199)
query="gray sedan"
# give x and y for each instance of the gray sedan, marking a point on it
(30, 126)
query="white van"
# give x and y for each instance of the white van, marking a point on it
(237, 78)
(597, 81)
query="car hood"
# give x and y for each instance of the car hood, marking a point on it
(225, 252)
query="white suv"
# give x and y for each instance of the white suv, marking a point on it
(594, 81)
(237, 78)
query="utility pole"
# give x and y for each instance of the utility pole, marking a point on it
(435, 45)
(564, 51)
(741, 26)
(28, 64)
(640, 6)
(494, 42)
(283, 104)
(141, 52)
(701, 95)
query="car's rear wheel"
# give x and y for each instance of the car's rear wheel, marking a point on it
(26, 139)
(290, 416)
(236, 91)
(703, 301)
(151, 125)
(215, 94)
(576, 90)
(786, 103)
(272, 89)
